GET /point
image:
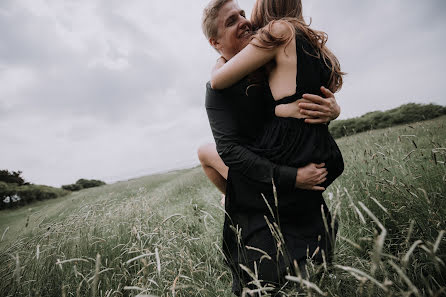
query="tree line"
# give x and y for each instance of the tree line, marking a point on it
(404, 114)
(16, 192)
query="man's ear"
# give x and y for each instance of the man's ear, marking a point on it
(215, 44)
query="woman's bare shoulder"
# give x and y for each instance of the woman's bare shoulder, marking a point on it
(281, 29)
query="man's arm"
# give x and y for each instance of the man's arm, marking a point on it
(224, 125)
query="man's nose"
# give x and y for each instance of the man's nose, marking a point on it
(243, 22)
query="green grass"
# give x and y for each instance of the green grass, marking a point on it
(161, 235)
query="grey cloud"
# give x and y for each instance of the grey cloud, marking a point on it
(67, 84)
(99, 91)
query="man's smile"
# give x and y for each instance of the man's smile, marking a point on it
(244, 31)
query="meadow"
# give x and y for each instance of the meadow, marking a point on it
(160, 235)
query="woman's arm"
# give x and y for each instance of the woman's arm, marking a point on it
(313, 108)
(247, 60)
(218, 64)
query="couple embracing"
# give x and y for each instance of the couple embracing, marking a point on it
(269, 103)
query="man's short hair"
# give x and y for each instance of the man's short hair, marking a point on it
(210, 14)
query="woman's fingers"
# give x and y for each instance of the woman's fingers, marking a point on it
(290, 110)
(321, 165)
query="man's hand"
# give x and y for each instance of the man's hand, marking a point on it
(314, 109)
(311, 175)
(321, 110)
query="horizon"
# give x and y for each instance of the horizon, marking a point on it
(186, 167)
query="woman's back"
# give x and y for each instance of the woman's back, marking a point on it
(299, 69)
(282, 78)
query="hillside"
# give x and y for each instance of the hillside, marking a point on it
(160, 235)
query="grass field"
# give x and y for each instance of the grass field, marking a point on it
(161, 235)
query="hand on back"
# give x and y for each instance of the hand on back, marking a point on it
(313, 108)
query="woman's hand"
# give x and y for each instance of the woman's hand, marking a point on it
(291, 110)
(310, 176)
(220, 62)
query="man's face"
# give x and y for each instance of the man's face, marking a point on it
(234, 30)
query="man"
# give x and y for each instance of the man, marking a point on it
(235, 118)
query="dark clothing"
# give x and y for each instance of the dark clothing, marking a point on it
(299, 231)
(291, 141)
(235, 121)
(256, 223)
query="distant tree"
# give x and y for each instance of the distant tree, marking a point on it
(12, 177)
(83, 184)
(90, 183)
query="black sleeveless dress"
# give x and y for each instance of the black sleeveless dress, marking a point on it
(291, 141)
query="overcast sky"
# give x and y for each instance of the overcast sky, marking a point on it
(111, 90)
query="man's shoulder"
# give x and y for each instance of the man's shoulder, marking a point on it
(236, 89)
(225, 96)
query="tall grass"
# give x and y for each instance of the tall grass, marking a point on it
(161, 235)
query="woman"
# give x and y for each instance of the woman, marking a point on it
(297, 61)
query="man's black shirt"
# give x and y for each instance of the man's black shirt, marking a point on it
(235, 120)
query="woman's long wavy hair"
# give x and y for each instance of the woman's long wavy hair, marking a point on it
(266, 12)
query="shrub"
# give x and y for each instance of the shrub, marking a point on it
(6, 190)
(12, 177)
(13, 195)
(83, 184)
(72, 187)
(90, 183)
